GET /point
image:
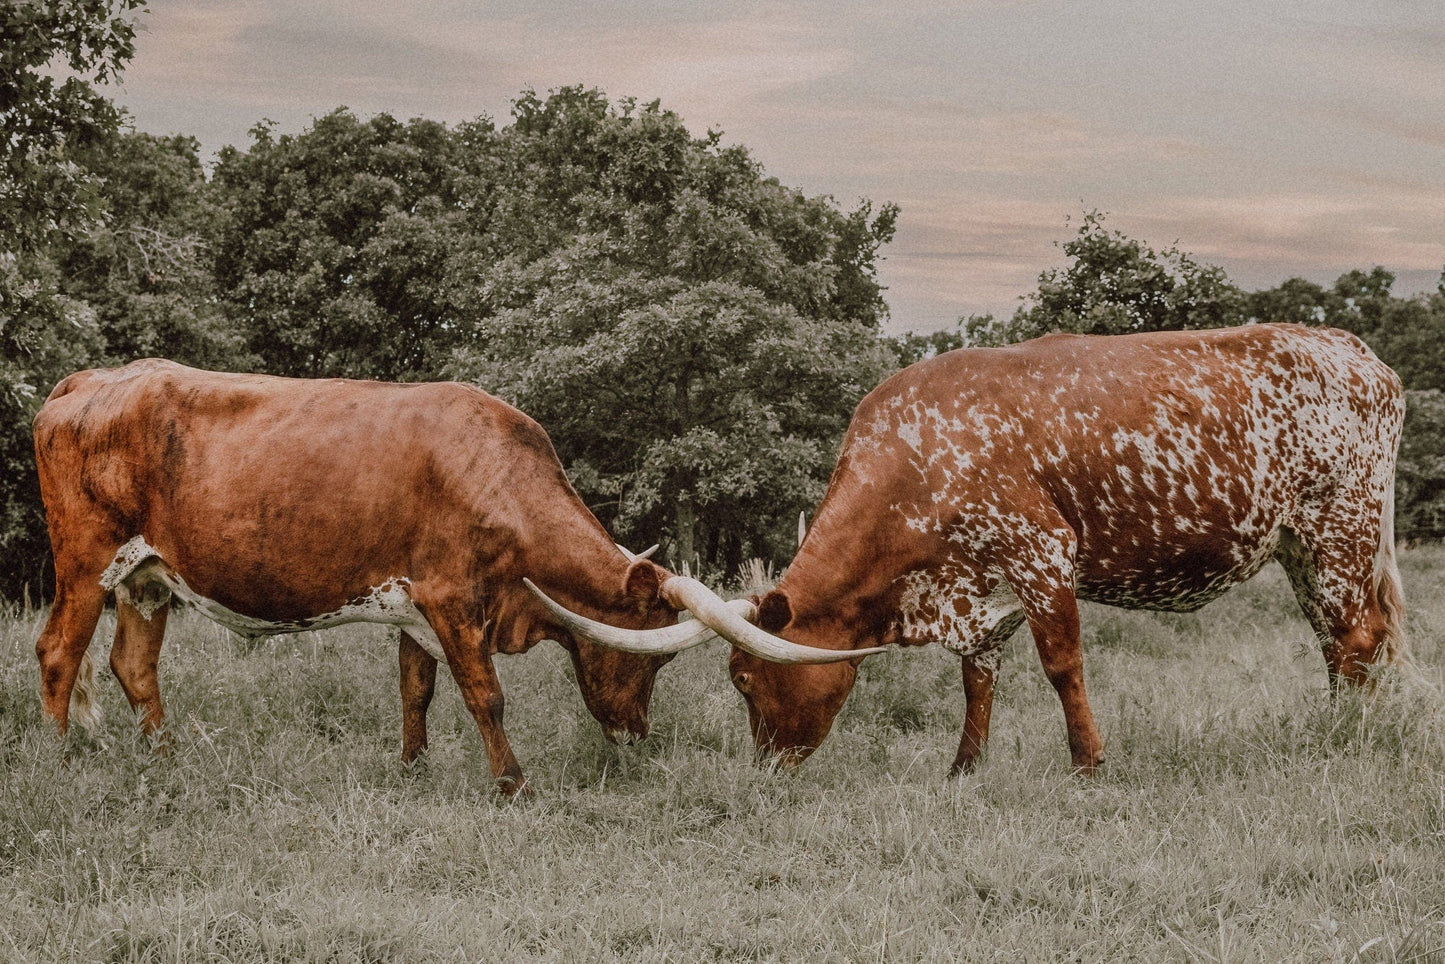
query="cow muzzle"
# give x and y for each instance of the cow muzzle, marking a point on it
(625, 737)
(782, 761)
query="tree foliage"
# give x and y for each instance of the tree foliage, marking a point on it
(43, 119)
(1420, 474)
(1113, 285)
(332, 247)
(910, 347)
(47, 198)
(693, 334)
(144, 269)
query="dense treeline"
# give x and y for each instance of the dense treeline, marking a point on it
(693, 334)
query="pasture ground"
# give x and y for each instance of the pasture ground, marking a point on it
(1241, 816)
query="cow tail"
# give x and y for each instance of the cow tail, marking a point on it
(84, 708)
(1386, 583)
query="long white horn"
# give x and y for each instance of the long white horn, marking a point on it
(802, 527)
(729, 622)
(652, 642)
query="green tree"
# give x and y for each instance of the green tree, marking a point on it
(144, 268)
(1115, 284)
(712, 416)
(46, 198)
(1299, 301)
(333, 246)
(911, 347)
(693, 333)
(43, 120)
(1420, 473)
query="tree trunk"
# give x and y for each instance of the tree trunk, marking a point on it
(686, 528)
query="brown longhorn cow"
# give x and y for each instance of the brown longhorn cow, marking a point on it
(988, 487)
(275, 505)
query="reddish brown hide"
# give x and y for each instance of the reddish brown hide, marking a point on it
(277, 505)
(989, 487)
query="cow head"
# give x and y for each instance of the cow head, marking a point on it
(616, 684)
(774, 722)
(791, 706)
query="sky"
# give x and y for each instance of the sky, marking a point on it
(1275, 138)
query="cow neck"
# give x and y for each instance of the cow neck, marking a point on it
(589, 585)
(587, 579)
(843, 576)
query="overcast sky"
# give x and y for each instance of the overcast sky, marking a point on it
(1272, 137)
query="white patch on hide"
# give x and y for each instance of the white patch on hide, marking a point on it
(952, 608)
(138, 572)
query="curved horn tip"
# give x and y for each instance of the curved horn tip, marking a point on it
(685, 593)
(635, 556)
(660, 641)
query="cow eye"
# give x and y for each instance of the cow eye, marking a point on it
(742, 681)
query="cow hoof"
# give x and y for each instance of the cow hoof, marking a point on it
(515, 788)
(962, 768)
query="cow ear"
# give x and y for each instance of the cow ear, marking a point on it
(774, 612)
(643, 582)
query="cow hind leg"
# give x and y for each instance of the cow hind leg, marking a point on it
(135, 658)
(61, 651)
(1349, 590)
(418, 684)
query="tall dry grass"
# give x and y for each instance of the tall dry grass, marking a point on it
(1241, 816)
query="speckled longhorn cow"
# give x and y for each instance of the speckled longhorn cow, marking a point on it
(276, 505)
(986, 487)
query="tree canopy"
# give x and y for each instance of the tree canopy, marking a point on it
(1113, 285)
(47, 198)
(693, 334)
(696, 343)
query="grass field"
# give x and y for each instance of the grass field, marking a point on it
(1240, 817)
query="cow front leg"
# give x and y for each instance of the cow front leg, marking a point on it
(1055, 627)
(467, 655)
(980, 671)
(418, 684)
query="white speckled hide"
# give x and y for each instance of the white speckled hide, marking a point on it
(1150, 479)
